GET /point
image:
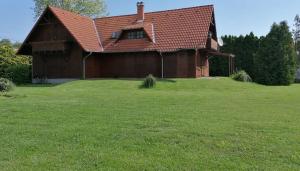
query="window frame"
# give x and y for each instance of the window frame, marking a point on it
(135, 34)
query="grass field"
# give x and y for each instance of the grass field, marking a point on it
(180, 125)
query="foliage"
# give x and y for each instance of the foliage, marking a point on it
(6, 85)
(149, 82)
(19, 73)
(296, 34)
(7, 42)
(14, 67)
(296, 30)
(243, 47)
(91, 8)
(194, 124)
(276, 58)
(241, 76)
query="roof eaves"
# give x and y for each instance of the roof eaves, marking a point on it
(30, 33)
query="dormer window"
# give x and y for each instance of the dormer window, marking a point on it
(136, 34)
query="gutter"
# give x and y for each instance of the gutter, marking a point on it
(83, 65)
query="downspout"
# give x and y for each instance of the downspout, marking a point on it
(83, 65)
(32, 74)
(196, 63)
(162, 65)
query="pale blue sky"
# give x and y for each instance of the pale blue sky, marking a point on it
(233, 17)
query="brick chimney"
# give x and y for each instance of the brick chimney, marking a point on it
(140, 12)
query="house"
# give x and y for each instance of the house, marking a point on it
(168, 44)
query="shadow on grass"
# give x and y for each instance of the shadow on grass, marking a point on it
(131, 79)
(38, 85)
(11, 96)
(159, 80)
(167, 80)
(96, 79)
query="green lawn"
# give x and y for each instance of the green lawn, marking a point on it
(180, 125)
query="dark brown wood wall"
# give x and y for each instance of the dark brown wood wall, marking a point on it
(180, 64)
(135, 65)
(202, 69)
(138, 65)
(50, 29)
(49, 60)
(93, 66)
(53, 65)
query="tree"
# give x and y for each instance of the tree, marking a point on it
(90, 8)
(218, 66)
(243, 47)
(275, 61)
(296, 34)
(5, 42)
(296, 30)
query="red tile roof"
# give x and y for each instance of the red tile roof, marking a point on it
(147, 27)
(173, 30)
(170, 30)
(81, 28)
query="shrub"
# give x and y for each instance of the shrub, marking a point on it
(6, 85)
(19, 74)
(241, 76)
(149, 82)
(14, 67)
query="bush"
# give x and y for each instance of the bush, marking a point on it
(241, 76)
(6, 85)
(19, 74)
(149, 82)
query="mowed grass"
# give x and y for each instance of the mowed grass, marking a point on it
(179, 125)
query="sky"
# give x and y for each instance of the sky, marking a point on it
(233, 17)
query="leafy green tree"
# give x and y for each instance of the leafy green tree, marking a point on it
(296, 33)
(243, 47)
(91, 8)
(250, 45)
(276, 58)
(6, 42)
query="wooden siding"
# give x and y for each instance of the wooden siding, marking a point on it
(55, 53)
(54, 65)
(202, 68)
(124, 65)
(181, 64)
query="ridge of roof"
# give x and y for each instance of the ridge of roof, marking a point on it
(72, 12)
(162, 11)
(77, 35)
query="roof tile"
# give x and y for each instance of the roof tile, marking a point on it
(173, 30)
(82, 29)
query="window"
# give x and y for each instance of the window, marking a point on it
(115, 35)
(136, 35)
